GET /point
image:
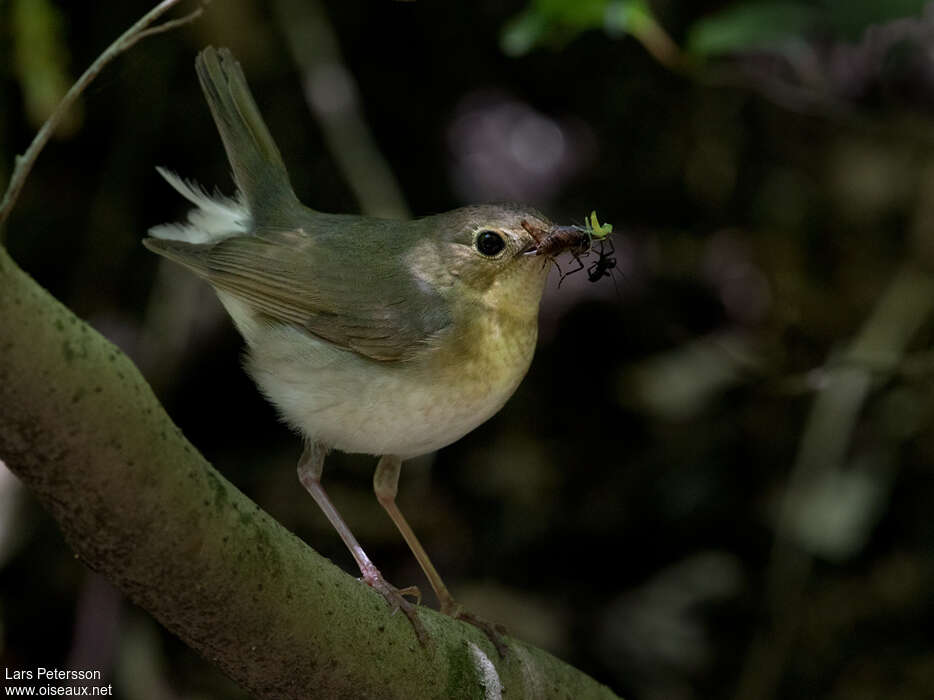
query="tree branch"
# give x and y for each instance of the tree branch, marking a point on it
(138, 503)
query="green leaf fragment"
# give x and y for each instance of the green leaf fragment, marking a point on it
(559, 21)
(40, 60)
(595, 228)
(754, 25)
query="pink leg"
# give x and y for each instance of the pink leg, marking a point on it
(386, 485)
(310, 468)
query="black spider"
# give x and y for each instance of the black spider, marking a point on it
(605, 261)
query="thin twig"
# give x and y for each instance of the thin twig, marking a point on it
(165, 26)
(23, 164)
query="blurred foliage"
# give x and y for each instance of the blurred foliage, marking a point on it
(41, 60)
(561, 20)
(740, 26)
(752, 25)
(717, 475)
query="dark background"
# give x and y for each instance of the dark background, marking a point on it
(631, 508)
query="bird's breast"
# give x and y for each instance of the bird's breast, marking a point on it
(355, 404)
(485, 357)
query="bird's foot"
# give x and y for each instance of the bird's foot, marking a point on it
(495, 632)
(396, 597)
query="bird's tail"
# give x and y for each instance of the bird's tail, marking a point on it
(257, 165)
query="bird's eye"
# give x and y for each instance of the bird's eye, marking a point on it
(489, 243)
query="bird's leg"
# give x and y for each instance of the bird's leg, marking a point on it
(310, 467)
(386, 485)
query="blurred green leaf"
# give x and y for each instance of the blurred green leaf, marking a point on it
(523, 32)
(743, 26)
(41, 60)
(751, 25)
(562, 20)
(627, 17)
(764, 24)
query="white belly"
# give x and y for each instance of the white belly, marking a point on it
(354, 404)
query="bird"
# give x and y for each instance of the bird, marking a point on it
(378, 336)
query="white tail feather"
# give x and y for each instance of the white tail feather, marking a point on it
(215, 217)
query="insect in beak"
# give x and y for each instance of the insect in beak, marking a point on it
(578, 241)
(556, 240)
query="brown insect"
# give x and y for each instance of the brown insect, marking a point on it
(557, 239)
(574, 239)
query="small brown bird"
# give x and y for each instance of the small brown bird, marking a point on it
(392, 338)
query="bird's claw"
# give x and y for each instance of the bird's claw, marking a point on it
(397, 601)
(495, 632)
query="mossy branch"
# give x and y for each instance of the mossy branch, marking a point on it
(137, 502)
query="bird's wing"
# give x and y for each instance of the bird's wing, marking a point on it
(299, 279)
